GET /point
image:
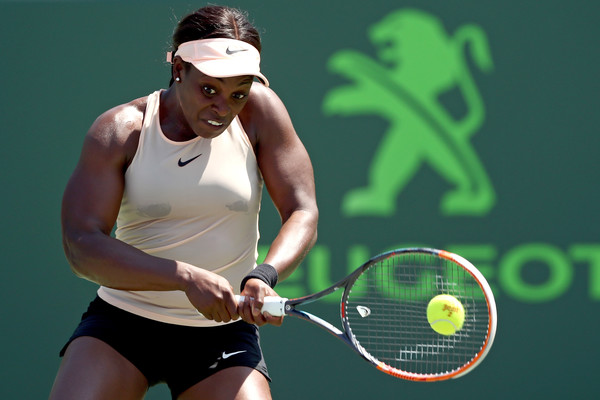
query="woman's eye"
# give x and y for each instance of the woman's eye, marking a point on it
(208, 90)
(239, 96)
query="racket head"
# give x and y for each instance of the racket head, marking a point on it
(384, 313)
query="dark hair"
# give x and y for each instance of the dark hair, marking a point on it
(212, 22)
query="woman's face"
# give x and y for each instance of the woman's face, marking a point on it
(209, 104)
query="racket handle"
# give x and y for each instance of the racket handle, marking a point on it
(274, 305)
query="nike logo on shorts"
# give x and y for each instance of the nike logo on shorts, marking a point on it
(225, 356)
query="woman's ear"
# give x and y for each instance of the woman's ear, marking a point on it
(177, 69)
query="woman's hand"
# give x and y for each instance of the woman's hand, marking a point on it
(212, 295)
(254, 293)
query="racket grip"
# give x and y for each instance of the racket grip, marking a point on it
(274, 305)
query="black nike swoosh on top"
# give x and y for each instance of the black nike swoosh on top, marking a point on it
(184, 163)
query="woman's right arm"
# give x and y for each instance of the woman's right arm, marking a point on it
(90, 207)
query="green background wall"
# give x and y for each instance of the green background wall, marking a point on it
(65, 62)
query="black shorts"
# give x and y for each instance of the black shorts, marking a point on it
(179, 356)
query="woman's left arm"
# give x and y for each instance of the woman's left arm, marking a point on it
(288, 175)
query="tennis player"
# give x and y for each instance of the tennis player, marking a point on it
(181, 173)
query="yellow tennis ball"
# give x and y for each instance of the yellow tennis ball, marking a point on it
(445, 314)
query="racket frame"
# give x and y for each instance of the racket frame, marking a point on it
(289, 307)
(459, 372)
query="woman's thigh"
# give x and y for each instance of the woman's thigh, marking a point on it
(93, 370)
(235, 383)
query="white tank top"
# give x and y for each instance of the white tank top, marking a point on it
(196, 201)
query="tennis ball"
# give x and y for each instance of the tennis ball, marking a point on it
(445, 314)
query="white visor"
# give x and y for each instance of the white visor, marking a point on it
(221, 58)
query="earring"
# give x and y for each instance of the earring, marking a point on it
(178, 79)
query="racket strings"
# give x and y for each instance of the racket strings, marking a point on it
(386, 313)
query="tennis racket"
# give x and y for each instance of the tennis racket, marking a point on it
(384, 313)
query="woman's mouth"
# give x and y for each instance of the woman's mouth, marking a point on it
(214, 123)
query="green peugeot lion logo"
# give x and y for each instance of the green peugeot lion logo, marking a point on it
(417, 62)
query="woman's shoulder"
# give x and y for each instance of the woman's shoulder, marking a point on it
(122, 119)
(263, 109)
(117, 130)
(116, 125)
(262, 98)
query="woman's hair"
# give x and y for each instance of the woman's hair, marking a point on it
(213, 22)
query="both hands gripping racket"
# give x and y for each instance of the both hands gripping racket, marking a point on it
(384, 313)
